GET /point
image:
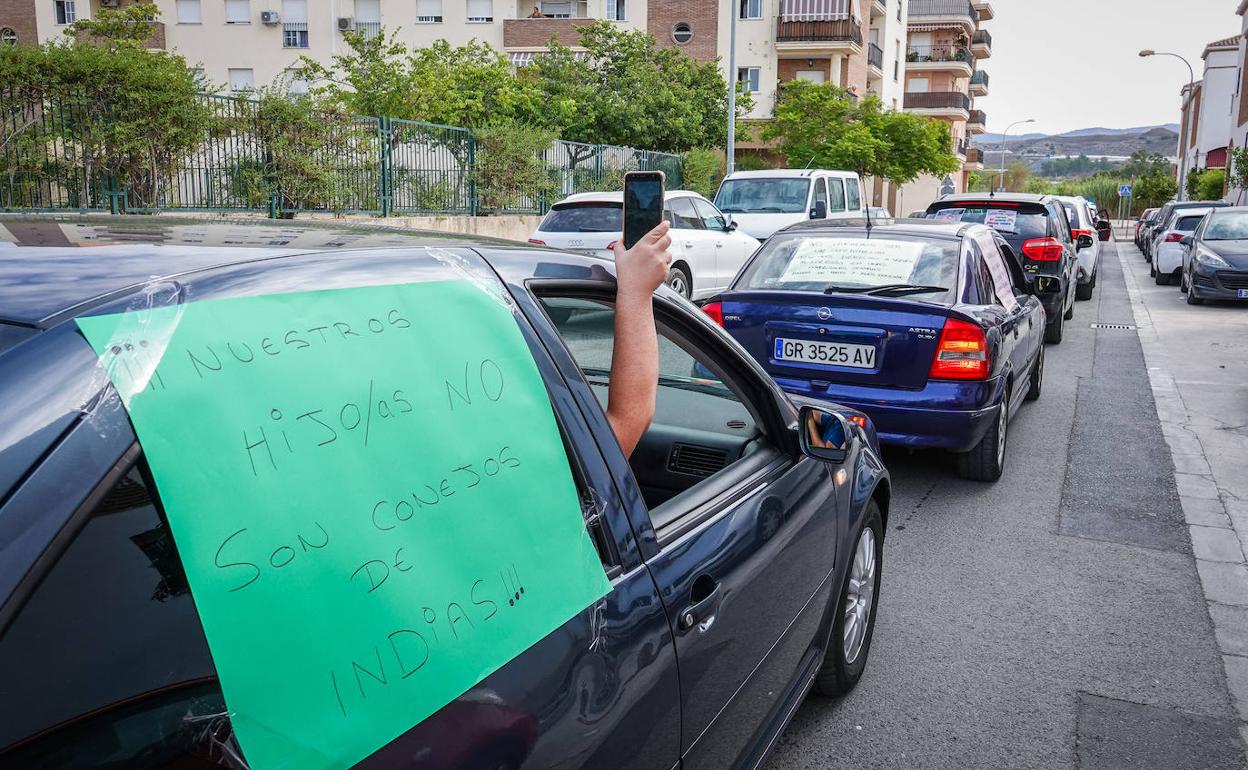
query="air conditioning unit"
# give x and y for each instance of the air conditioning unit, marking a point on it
(270, 17)
(345, 23)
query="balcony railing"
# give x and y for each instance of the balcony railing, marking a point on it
(974, 155)
(959, 146)
(921, 8)
(368, 29)
(979, 78)
(938, 53)
(875, 56)
(295, 34)
(982, 38)
(978, 118)
(937, 100)
(826, 30)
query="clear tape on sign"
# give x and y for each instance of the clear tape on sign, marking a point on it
(854, 261)
(481, 277)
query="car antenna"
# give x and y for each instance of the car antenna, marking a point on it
(807, 166)
(868, 210)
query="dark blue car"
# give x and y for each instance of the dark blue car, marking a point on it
(742, 540)
(928, 328)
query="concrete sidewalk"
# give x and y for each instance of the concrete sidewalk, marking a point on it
(1197, 358)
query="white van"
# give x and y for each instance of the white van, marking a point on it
(762, 202)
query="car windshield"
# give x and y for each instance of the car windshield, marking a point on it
(885, 266)
(1009, 221)
(1231, 226)
(769, 196)
(598, 217)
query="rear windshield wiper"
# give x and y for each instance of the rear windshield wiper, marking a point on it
(903, 288)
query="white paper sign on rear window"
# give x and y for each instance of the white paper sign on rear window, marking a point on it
(1002, 219)
(853, 261)
(949, 215)
(1002, 285)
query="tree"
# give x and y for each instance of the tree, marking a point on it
(1237, 165)
(1191, 185)
(1017, 176)
(817, 124)
(1155, 188)
(1143, 163)
(1211, 186)
(626, 90)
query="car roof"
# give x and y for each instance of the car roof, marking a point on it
(1191, 211)
(1004, 197)
(617, 196)
(52, 265)
(921, 228)
(788, 173)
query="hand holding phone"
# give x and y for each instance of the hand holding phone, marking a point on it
(643, 204)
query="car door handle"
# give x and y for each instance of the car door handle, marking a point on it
(688, 244)
(702, 612)
(719, 244)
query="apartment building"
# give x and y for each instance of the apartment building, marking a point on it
(1206, 115)
(946, 44)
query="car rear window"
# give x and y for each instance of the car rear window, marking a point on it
(854, 263)
(1007, 220)
(1188, 223)
(602, 217)
(769, 196)
(1072, 213)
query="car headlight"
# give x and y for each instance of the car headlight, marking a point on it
(1209, 259)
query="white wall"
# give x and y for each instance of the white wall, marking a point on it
(1221, 81)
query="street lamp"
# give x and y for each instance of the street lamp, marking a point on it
(1001, 183)
(1191, 84)
(731, 160)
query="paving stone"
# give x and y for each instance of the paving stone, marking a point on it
(1187, 446)
(1216, 544)
(1208, 513)
(1191, 485)
(1224, 582)
(1230, 625)
(1237, 682)
(1196, 464)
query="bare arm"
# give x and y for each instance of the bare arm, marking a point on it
(635, 356)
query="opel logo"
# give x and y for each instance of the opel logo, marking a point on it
(824, 314)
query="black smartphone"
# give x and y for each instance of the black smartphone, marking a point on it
(643, 204)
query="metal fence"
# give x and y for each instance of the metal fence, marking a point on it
(62, 153)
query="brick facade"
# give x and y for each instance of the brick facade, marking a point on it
(702, 16)
(19, 16)
(535, 33)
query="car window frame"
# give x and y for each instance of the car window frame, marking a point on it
(839, 184)
(717, 215)
(819, 186)
(856, 184)
(680, 222)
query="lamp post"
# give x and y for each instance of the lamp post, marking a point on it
(731, 160)
(1183, 139)
(1001, 183)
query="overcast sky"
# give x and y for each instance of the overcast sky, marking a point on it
(1048, 54)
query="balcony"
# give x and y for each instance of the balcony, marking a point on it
(945, 12)
(946, 104)
(879, 8)
(979, 83)
(818, 36)
(981, 44)
(944, 58)
(984, 8)
(368, 29)
(974, 159)
(976, 122)
(875, 60)
(535, 33)
(960, 147)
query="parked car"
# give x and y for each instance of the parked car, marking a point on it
(1039, 234)
(1083, 222)
(1163, 219)
(1215, 264)
(707, 248)
(742, 539)
(1168, 258)
(762, 202)
(879, 213)
(1146, 219)
(928, 328)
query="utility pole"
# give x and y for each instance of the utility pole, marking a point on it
(732, 87)
(1184, 140)
(1001, 184)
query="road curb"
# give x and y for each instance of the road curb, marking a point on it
(1219, 540)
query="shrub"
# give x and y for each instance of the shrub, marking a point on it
(511, 171)
(702, 171)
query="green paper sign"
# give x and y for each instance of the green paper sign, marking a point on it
(370, 497)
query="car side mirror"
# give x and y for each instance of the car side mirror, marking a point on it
(1083, 242)
(824, 435)
(819, 210)
(730, 225)
(1186, 240)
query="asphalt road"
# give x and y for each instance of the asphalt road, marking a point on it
(1054, 619)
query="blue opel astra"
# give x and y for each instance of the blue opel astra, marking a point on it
(928, 328)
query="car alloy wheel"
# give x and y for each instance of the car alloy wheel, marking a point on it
(679, 282)
(1003, 422)
(859, 596)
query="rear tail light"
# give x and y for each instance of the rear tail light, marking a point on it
(1174, 237)
(961, 354)
(715, 310)
(537, 242)
(1043, 249)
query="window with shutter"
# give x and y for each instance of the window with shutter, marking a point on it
(429, 11)
(237, 11)
(188, 12)
(480, 11)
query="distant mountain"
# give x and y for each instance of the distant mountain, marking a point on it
(987, 139)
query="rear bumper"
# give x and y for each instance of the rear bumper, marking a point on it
(943, 415)
(1169, 258)
(1087, 264)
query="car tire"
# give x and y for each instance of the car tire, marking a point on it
(1053, 331)
(1161, 279)
(1036, 381)
(1192, 299)
(1070, 312)
(1152, 271)
(987, 460)
(1084, 290)
(1182, 280)
(680, 282)
(840, 671)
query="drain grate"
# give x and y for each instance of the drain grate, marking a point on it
(1114, 327)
